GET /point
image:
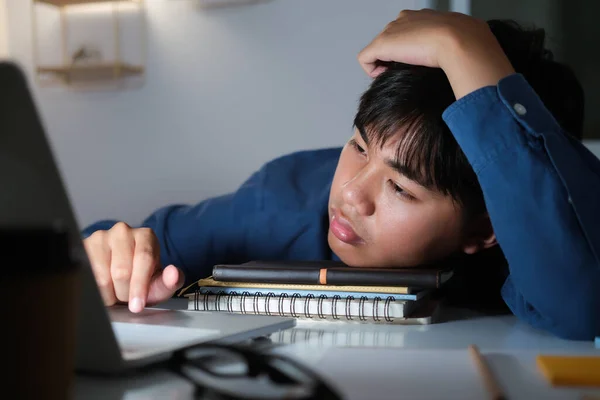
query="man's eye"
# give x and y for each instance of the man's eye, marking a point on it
(400, 191)
(357, 147)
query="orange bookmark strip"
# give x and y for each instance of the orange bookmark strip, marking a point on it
(323, 276)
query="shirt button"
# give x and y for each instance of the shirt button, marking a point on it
(520, 109)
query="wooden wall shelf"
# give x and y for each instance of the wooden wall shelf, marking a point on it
(93, 71)
(99, 58)
(62, 3)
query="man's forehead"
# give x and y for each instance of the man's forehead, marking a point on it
(390, 144)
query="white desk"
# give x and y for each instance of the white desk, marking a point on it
(379, 356)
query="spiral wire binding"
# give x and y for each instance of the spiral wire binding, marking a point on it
(361, 308)
(258, 296)
(243, 302)
(268, 303)
(334, 302)
(295, 296)
(282, 297)
(320, 306)
(230, 301)
(376, 301)
(348, 301)
(219, 295)
(307, 305)
(386, 309)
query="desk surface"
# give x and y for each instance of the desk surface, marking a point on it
(366, 361)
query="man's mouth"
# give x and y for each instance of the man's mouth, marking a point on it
(341, 228)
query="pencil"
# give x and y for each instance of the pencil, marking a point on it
(489, 381)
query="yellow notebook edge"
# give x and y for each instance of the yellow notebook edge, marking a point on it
(209, 281)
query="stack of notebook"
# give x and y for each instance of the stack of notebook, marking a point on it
(320, 291)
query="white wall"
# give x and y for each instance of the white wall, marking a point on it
(3, 30)
(226, 90)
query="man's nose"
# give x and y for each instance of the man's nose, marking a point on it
(358, 193)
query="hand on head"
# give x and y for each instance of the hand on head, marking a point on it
(126, 265)
(463, 46)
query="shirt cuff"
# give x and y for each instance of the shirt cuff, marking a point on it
(495, 119)
(526, 106)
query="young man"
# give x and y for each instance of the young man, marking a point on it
(447, 160)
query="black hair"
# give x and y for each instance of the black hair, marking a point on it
(406, 102)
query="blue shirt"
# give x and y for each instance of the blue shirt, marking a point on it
(541, 188)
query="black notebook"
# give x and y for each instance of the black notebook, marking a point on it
(330, 273)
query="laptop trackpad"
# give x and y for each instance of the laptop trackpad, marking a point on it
(142, 340)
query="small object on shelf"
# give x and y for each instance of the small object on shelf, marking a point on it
(86, 55)
(597, 342)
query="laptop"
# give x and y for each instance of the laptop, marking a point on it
(109, 339)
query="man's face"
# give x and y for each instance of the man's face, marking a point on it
(379, 218)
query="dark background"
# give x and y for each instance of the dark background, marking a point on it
(573, 34)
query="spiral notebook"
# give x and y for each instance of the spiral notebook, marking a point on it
(334, 308)
(316, 293)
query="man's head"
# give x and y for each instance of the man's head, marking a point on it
(404, 193)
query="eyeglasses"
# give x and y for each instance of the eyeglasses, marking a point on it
(245, 372)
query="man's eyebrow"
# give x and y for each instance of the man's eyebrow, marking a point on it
(363, 134)
(404, 170)
(409, 173)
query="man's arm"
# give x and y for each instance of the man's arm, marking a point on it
(176, 245)
(195, 237)
(276, 214)
(192, 237)
(541, 188)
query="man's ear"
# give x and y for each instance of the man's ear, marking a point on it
(479, 235)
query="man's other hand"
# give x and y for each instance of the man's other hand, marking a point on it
(463, 46)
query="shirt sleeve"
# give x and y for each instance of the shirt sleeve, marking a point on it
(542, 190)
(196, 237)
(278, 213)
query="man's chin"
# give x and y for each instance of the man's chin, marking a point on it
(348, 254)
(354, 256)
